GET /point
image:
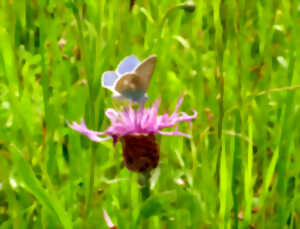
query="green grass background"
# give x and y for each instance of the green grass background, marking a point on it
(236, 62)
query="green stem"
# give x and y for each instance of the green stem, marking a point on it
(91, 179)
(219, 77)
(91, 113)
(188, 6)
(238, 119)
(144, 182)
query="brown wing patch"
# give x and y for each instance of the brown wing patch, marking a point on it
(129, 83)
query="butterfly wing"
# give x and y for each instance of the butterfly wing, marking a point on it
(145, 71)
(128, 64)
(131, 86)
(108, 79)
(128, 83)
(131, 79)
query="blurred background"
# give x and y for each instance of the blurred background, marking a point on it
(236, 62)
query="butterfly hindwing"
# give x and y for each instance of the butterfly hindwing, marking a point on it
(130, 87)
(108, 79)
(128, 83)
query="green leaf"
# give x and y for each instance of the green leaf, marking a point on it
(28, 179)
(155, 204)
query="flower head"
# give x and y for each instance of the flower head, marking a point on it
(136, 128)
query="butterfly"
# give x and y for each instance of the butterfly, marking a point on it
(131, 78)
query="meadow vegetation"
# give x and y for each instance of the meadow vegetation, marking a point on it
(236, 62)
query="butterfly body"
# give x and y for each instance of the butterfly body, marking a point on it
(131, 79)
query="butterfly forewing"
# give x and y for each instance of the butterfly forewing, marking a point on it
(108, 79)
(145, 71)
(127, 65)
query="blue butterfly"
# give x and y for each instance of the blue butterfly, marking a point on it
(131, 79)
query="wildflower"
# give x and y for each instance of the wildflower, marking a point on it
(136, 130)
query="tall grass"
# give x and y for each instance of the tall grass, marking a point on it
(236, 62)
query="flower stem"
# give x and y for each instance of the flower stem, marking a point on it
(91, 180)
(144, 182)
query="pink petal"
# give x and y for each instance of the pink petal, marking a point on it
(180, 100)
(112, 115)
(92, 135)
(173, 133)
(108, 220)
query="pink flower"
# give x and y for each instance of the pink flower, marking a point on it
(136, 129)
